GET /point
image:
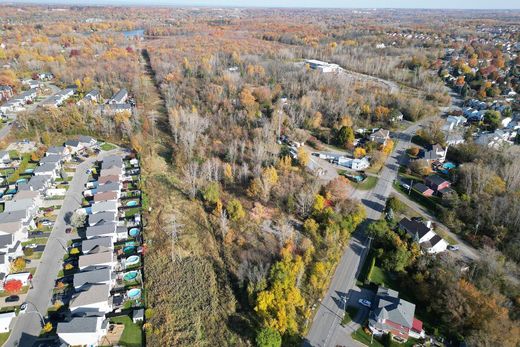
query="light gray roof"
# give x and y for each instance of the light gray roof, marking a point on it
(93, 294)
(103, 217)
(55, 150)
(113, 160)
(47, 167)
(391, 307)
(6, 239)
(94, 276)
(19, 205)
(96, 259)
(13, 216)
(104, 206)
(38, 182)
(120, 95)
(90, 245)
(101, 229)
(51, 158)
(86, 139)
(108, 187)
(78, 325)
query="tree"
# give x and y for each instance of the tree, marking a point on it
(78, 219)
(413, 151)
(47, 328)
(235, 210)
(13, 286)
(268, 337)
(18, 264)
(212, 193)
(360, 152)
(492, 119)
(345, 137)
(303, 156)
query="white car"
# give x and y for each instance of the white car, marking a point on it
(453, 248)
(365, 302)
(31, 245)
(23, 307)
(405, 186)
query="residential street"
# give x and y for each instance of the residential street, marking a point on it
(27, 326)
(326, 329)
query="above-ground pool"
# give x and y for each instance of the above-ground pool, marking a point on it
(134, 293)
(132, 203)
(132, 260)
(130, 276)
(449, 165)
(10, 191)
(129, 249)
(21, 180)
(134, 232)
(28, 171)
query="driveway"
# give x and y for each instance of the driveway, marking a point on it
(27, 326)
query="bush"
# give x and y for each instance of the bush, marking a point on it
(370, 268)
(268, 337)
(28, 252)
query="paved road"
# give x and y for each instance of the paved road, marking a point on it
(27, 326)
(326, 329)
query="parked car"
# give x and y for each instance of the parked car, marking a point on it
(68, 230)
(12, 298)
(405, 186)
(31, 245)
(37, 233)
(453, 248)
(23, 307)
(47, 223)
(365, 302)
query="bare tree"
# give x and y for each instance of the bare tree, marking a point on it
(191, 177)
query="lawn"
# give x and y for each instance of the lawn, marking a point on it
(3, 338)
(38, 241)
(132, 335)
(364, 338)
(107, 146)
(378, 276)
(446, 237)
(369, 183)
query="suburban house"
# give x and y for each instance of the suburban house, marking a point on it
(436, 182)
(108, 187)
(354, 164)
(91, 97)
(73, 146)
(95, 299)
(100, 230)
(119, 98)
(434, 153)
(5, 321)
(380, 136)
(322, 66)
(97, 259)
(392, 315)
(48, 169)
(424, 235)
(100, 218)
(108, 179)
(52, 159)
(10, 248)
(59, 150)
(104, 206)
(93, 276)
(81, 331)
(87, 141)
(96, 244)
(423, 190)
(106, 196)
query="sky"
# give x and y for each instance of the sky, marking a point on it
(436, 4)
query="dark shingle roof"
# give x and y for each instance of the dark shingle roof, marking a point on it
(418, 229)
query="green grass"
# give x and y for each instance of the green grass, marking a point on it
(38, 241)
(446, 237)
(132, 335)
(430, 203)
(350, 313)
(132, 211)
(369, 183)
(107, 146)
(3, 338)
(378, 276)
(364, 338)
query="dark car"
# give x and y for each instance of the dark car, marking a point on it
(68, 230)
(12, 298)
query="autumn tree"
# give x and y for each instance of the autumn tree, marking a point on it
(13, 287)
(303, 156)
(235, 210)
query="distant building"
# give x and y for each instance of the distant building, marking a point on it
(119, 98)
(322, 66)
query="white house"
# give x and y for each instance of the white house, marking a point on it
(94, 299)
(101, 275)
(97, 259)
(5, 321)
(423, 234)
(102, 230)
(119, 98)
(81, 331)
(104, 206)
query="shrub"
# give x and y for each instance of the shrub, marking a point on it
(28, 252)
(268, 337)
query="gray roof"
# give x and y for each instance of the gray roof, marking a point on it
(101, 229)
(417, 229)
(102, 217)
(47, 167)
(13, 216)
(38, 182)
(111, 161)
(72, 143)
(91, 245)
(92, 93)
(78, 325)
(19, 205)
(55, 150)
(390, 307)
(93, 294)
(120, 95)
(108, 187)
(51, 158)
(86, 139)
(99, 275)
(104, 206)
(6, 239)
(95, 259)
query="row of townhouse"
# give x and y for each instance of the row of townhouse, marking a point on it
(17, 103)
(118, 103)
(59, 98)
(99, 284)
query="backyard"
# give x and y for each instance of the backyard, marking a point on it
(132, 335)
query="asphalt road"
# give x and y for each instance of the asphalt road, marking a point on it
(326, 329)
(28, 325)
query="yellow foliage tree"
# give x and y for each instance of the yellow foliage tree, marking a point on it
(360, 152)
(303, 156)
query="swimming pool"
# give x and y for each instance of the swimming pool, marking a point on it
(449, 165)
(130, 276)
(21, 180)
(132, 260)
(134, 293)
(132, 203)
(29, 171)
(134, 232)
(129, 249)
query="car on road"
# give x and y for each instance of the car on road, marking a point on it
(405, 186)
(31, 245)
(47, 223)
(453, 248)
(23, 307)
(365, 302)
(12, 298)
